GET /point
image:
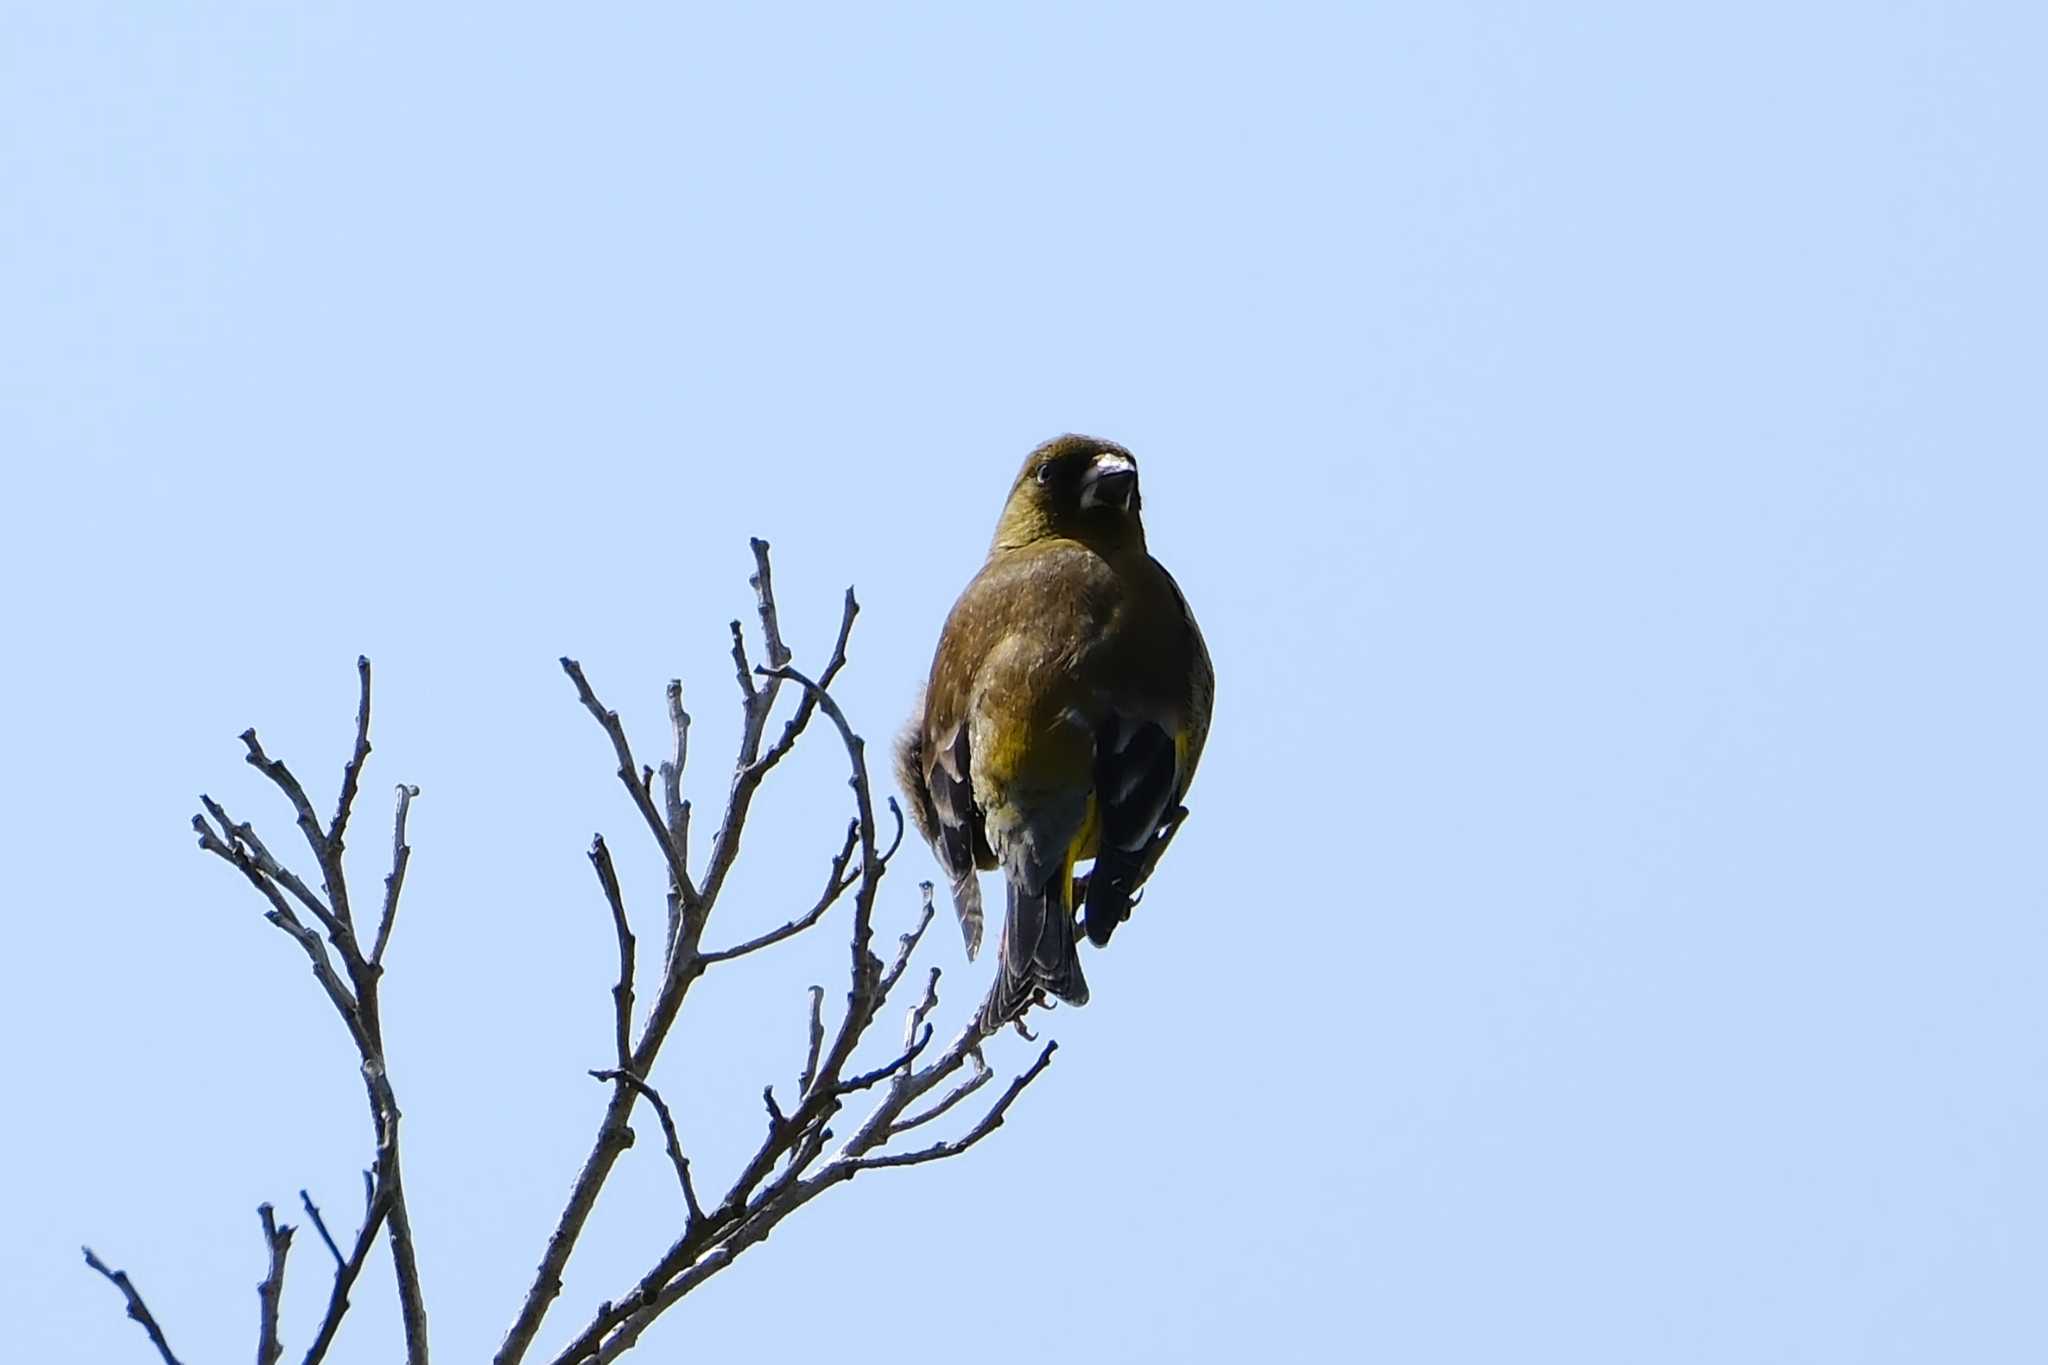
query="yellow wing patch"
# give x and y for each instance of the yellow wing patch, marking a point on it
(1082, 847)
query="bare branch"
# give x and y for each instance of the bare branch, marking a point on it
(320, 1226)
(278, 1238)
(412, 1305)
(668, 1135)
(733, 1228)
(870, 867)
(684, 963)
(990, 1121)
(805, 708)
(896, 839)
(810, 1071)
(137, 1309)
(394, 881)
(982, 1075)
(629, 774)
(764, 598)
(796, 1159)
(923, 1008)
(352, 772)
(759, 700)
(281, 915)
(870, 1078)
(674, 806)
(278, 773)
(756, 1204)
(374, 1208)
(622, 994)
(742, 669)
(251, 849)
(907, 944)
(325, 853)
(356, 1002)
(836, 884)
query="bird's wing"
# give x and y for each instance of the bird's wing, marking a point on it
(1139, 776)
(1147, 747)
(954, 832)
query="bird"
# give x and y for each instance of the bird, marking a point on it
(1066, 709)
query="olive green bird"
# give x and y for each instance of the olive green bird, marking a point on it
(1066, 710)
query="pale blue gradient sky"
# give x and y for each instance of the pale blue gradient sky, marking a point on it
(1604, 446)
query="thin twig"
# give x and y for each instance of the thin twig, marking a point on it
(982, 1076)
(622, 994)
(668, 1136)
(394, 881)
(817, 1035)
(676, 808)
(278, 1237)
(836, 885)
(629, 775)
(325, 854)
(280, 914)
(906, 944)
(320, 1226)
(923, 1008)
(251, 849)
(902, 1063)
(352, 772)
(374, 1208)
(137, 1309)
(990, 1121)
(802, 715)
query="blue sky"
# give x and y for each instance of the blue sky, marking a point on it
(1603, 445)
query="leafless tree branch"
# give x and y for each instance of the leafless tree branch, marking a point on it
(817, 1035)
(320, 1226)
(836, 884)
(629, 774)
(137, 1309)
(278, 1238)
(768, 1187)
(668, 1135)
(673, 802)
(981, 1077)
(355, 998)
(394, 881)
(990, 1121)
(801, 1154)
(352, 771)
(348, 1269)
(622, 994)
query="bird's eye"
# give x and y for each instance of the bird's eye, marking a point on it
(1044, 472)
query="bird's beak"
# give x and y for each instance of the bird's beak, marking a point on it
(1109, 482)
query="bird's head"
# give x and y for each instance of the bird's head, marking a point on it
(1079, 487)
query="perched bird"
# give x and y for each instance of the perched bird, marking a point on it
(1067, 706)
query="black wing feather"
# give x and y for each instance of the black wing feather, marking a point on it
(1136, 767)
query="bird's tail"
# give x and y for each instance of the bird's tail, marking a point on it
(1038, 952)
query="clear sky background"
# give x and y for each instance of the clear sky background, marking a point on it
(1603, 445)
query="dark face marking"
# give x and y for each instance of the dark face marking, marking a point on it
(1071, 478)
